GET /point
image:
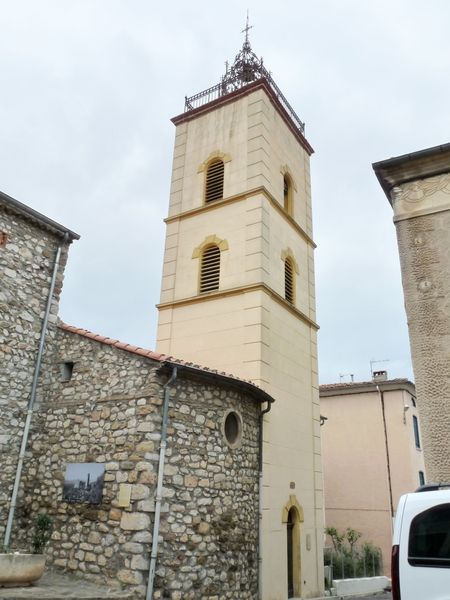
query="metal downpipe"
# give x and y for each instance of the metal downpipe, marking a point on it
(37, 369)
(260, 487)
(388, 462)
(162, 455)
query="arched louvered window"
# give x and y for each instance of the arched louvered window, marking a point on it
(289, 280)
(214, 181)
(287, 194)
(210, 269)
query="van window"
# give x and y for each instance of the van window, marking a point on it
(429, 538)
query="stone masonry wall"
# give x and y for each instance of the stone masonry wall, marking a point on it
(110, 412)
(27, 256)
(424, 247)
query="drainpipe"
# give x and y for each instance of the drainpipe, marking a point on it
(37, 370)
(260, 466)
(388, 463)
(162, 455)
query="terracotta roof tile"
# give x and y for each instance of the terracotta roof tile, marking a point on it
(149, 353)
(111, 342)
(352, 384)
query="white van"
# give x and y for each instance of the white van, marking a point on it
(421, 545)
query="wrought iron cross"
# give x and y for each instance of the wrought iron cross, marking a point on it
(247, 29)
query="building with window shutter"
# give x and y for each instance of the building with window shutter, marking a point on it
(371, 455)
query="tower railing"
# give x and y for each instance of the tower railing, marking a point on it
(232, 81)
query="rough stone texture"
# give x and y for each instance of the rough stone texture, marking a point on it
(110, 412)
(26, 265)
(424, 246)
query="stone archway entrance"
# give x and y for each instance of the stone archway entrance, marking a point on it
(293, 516)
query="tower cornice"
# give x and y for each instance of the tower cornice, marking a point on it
(238, 198)
(259, 84)
(245, 289)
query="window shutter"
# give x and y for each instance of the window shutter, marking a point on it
(210, 270)
(214, 181)
(289, 281)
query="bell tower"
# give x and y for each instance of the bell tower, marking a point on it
(238, 293)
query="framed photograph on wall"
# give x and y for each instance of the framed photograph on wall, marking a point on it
(83, 482)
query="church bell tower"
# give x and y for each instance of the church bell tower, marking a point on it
(238, 293)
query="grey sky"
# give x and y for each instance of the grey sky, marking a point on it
(80, 471)
(88, 88)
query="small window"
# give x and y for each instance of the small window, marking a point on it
(289, 280)
(3, 238)
(416, 431)
(413, 401)
(210, 269)
(232, 429)
(287, 194)
(429, 538)
(66, 371)
(214, 181)
(421, 478)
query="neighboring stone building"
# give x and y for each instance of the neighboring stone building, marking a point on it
(238, 293)
(101, 401)
(372, 454)
(418, 187)
(29, 256)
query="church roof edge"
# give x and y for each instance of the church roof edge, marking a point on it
(30, 214)
(166, 360)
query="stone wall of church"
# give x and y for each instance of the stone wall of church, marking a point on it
(425, 262)
(27, 254)
(110, 412)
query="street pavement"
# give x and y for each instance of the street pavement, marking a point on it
(382, 596)
(57, 586)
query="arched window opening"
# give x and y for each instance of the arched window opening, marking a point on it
(210, 269)
(289, 280)
(214, 181)
(287, 194)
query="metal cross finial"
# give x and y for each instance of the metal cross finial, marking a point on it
(247, 29)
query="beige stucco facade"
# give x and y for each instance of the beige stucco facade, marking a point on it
(247, 327)
(418, 187)
(370, 456)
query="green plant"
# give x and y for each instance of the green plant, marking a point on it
(337, 538)
(42, 532)
(347, 560)
(352, 536)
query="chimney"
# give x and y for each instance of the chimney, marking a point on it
(379, 376)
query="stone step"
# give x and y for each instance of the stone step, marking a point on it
(61, 586)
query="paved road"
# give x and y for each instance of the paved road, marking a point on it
(384, 596)
(57, 586)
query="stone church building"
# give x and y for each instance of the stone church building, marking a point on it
(211, 483)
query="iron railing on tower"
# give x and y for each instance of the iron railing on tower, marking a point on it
(245, 69)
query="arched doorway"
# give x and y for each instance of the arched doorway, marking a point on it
(293, 516)
(290, 544)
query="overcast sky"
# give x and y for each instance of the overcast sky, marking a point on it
(87, 90)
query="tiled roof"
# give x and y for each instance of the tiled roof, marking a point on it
(111, 342)
(164, 358)
(353, 384)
